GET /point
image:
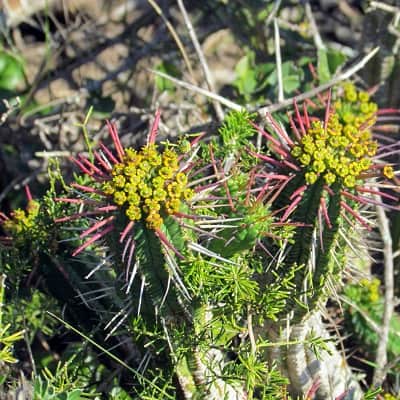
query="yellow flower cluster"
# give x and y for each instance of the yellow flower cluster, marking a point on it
(355, 108)
(372, 287)
(357, 114)
(148, 184)
(22, 220)
(388, 396)
(335, 153)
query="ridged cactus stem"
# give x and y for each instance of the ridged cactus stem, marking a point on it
(312, 244)
(297, 360)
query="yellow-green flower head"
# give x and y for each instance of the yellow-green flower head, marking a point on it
(388, 171)
(371, 289)
(332, 152)
(355, 110)
(22, 220)
(148, 184)
(388, 396)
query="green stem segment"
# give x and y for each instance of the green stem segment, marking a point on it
(308, 250)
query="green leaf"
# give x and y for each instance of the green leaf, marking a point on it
(74, 395)
(165, 84)
(328, 62)
(11, 71)
(291, 77)
(246, 81)
(324, 73)
(335, 60)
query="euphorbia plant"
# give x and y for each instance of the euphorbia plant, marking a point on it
(318, 177)
(209, 252)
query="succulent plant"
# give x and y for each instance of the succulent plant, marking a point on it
(214, 258)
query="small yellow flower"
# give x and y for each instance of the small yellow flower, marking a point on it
(334, 141)
(133, 213)
(118, 169)
(319, 166)
(154, 221)
(311, 177)
(330, 178)
(188, 194)
(130, 169)
(119, 198)
(133, 198)
(108, 188)
(350, 181)
(145, 191)
(130, 154)
(342, 170)
(348, 117)
(145, 166)
(141, 174)
(373, 107)
(351, 96)
(159, 194)
(166, 172)
(388, 171)
(173, 189)
(19, 215)
(372, 148)
(119, 181)
(364, 108)
(296, 151)
(153, 205)
(344, 141)
(354, 168)
(305, 159)
(181, 178)
(363, 97)
(135, 180)
(365, 163)
(332, 162)
(350, 130)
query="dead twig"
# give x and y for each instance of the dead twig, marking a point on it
(228, 103)
(206, 71)
(273, 13)
(278, 61)
(381, 352)
(175, 36)
(375, 327)
(319, 44)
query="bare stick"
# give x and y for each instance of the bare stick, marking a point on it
(175, 36)
(278, 61)
(202, 59)
(311, 93)
(253, 344)
(384, 7)
(274, 11)
(381, 352)
(51, 154)
(376, 328)
(196, 89)
(319, 44)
